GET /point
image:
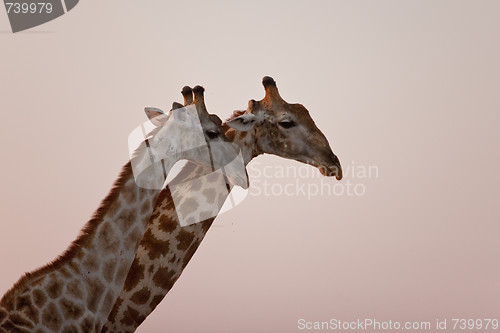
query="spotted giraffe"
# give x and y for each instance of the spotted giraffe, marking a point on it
(271, 126)
(76, 292)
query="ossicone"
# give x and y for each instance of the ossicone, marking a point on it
(187, 93)
(272, 93)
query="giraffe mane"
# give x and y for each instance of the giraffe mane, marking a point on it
(236, 113)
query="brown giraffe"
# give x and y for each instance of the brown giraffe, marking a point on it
(76, 292)
(270, 126)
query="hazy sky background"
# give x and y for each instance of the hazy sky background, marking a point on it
(411, 87)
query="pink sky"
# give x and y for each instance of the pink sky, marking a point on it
(409, 87)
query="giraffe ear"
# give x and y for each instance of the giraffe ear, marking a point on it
(176, 105)
(243, 123)
(155, 115)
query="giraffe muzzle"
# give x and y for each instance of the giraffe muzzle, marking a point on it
(332, 169)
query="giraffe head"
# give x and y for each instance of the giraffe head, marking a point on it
(286, 130)
(189, 132)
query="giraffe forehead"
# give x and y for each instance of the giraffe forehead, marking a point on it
(276, 112)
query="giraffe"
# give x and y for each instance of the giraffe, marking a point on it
(76, 292)
(271, 126)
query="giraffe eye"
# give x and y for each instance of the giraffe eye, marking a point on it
(287, 123)
(212, 134)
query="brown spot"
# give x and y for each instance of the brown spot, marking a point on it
(154, 215)
(164, 195)
(87, 324)
(108, 270)
(95, 290)
(130, 194)
(75, 289)
(132, 317)
(205, 225)
(39, 298)
(125, 219)
(154, 246)
(23, 304)
(172, 259)
(3, 315)
(22, 301)
(210, 194)
(64, 272)
(230, 133)
(18, 320)
(156, 300)
(78, 254)
(74, 267)
(189, 206)
(141, 297)
(8, 327)
(135, 274)
(114, 311)
(54, 288)
(184, 238)
(190, 252)
(170, 204)
(51, 317)
(163, 278)
(166, 224)
(91, 263)
(70, 309)
(243, 135)
(107, 239)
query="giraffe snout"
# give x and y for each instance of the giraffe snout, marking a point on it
(332, 167)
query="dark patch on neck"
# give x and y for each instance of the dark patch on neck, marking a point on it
(135, 275)
(155, 247)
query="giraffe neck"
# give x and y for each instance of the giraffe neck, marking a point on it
(247, 142)
(166, 247)
(77, 291)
